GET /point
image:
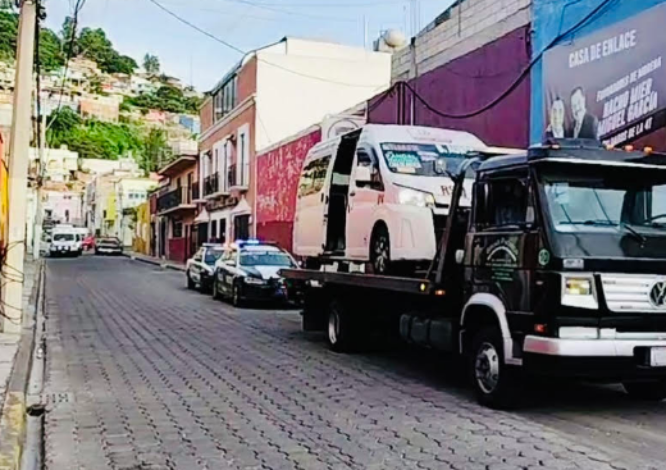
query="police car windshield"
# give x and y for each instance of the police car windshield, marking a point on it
(268, 258)
(425, 159)
(212, 255)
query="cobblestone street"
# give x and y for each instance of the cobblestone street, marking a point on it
(144, 374)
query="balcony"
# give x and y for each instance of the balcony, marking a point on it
(232, 179)
(195, 192)
(180, 199)
(211, 185)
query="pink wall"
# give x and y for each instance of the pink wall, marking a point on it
(467, 84)
(278, 172)
(60, 202)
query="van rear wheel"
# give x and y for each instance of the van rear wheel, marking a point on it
(380, 251)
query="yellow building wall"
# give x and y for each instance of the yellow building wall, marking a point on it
(141, 242)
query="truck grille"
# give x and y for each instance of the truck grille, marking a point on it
(627, 293)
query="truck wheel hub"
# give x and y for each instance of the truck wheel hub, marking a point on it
(487, 368)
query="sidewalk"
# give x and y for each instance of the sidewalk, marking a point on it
(15, 360)
(166, 264)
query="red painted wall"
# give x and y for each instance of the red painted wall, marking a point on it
(467, 84)
(177, 250)
(278, 172)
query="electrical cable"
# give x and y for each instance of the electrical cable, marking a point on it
(272, 8)
(241, 51)
(523, 75)
(68, 56)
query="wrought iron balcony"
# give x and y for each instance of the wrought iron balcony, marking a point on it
(211, 185)
(173, 199)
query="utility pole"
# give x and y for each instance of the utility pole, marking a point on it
(12, 269)
(39, 210)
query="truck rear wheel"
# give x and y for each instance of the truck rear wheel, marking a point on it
(340, 334)
(652, 390)
(494, 382)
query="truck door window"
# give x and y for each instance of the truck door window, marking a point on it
(502, 204)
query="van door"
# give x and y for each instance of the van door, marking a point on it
(364, 199)
(336, 232)
(312, 207)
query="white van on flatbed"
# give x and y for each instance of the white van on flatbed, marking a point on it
(380, 194)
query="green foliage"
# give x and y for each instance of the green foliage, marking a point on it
(151, 63)
(166, 98)
(50, 50)
(8, 33)
(93, 44)
(109, 141)
(156, 152)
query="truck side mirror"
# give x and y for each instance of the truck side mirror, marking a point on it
(363, 175)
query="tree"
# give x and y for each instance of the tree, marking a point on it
(123, 64)
(8, 34)
(156, 152)
(151, 64)
(50, 50)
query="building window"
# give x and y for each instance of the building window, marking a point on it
(177, 230)
(243, 157)
(213, 230)
(225, 99)
(242, 227)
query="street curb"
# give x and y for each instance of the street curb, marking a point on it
(13, 421)
(155, 262)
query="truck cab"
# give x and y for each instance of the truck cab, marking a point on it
(557, 267)
(565, 261)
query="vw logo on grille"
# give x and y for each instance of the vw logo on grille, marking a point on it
(658, 294)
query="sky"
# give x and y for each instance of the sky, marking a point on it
(137, 27)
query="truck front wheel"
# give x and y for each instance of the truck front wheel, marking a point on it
(494, 382)
(653, 390)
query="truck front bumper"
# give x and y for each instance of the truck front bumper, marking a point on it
(623, 357)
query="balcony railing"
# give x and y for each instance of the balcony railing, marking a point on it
(211, 185)
(195, 191)
(175, 198)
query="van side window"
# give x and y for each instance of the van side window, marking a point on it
(314, 176)
(502, 203)
(366, 159)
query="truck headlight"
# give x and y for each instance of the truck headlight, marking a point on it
(412, 197)
(579, 291)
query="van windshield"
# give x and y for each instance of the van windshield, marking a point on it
(63, 237)
(425, 159)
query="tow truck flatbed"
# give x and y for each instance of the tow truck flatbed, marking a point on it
(395, 284)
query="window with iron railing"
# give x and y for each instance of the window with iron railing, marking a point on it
(211, 185)
(231, 176)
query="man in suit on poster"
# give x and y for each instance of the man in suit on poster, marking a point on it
(585, 125)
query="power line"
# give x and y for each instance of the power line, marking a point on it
(333, 4)
(241, 51)
(273, 8)
(68, 56)
(523, 75)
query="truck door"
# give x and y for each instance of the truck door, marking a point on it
(364, 198)
(313, 199)
(505, 239)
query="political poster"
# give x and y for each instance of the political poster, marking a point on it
(611, 84)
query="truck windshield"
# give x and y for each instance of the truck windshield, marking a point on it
(425, 159)
(606, 199)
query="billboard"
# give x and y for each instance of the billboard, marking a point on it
(609, 85)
